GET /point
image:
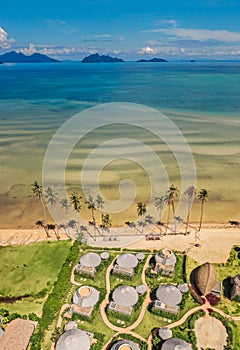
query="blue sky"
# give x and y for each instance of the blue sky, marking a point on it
(128, 28)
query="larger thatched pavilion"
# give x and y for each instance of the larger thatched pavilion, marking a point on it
(74, 339)
(165, 261)
(204, 278)
(175, 344)
(124, 298)
(84, 300)
(88, 264)
(168, 298)
(17, 335)
(125, 264)
(125, 345)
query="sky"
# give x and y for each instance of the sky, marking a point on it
(130, 29)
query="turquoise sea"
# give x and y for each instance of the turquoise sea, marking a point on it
(201, 98)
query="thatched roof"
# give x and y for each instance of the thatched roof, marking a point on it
(74, 339)
(86, 296)
(90, 260)
(165, 257)
(140, 256)
(70, 325)
(169, 294)
(165, 333)
(204, 278)
(141, 289)
(125, 296)
(176, 344)
(125, 345)
(127, 261)
(104, 255)
(17, 335)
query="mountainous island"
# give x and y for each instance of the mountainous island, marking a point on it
(18, 57)
(155, 59)
(96, 58)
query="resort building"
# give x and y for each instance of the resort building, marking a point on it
(88, 264)
(141, 289)
(125, 345)
(165, 262)
(175, 344)
(17, 335)
(165, 333)
(84, 301)
(70, 325)
(168, 297)
(204, 279)
(140, 256)
(104, 256)
(74, 339)
(235, 291)
(125, 265)
(124, 298)
(183, 287)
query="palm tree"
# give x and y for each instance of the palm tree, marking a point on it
(99, 202)
(54, 228)
(106, 221)
(65, 205)
(91, 205)
(37, 190)
(141, 211)
(203, 196)
(50, 196)
(159, 204)
(190, 193)
(75, 200)
(169, 200)
(40, 223)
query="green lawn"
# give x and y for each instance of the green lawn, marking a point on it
(28, 270)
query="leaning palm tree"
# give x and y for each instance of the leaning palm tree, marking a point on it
(203, 196)
(141, 211)
(190, 193)
(40, 223)
(37, 190)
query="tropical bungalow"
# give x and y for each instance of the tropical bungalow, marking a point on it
(17, 335)
(74, 339)
(168, 297)
(84, 301)
(125, 345)
(141, 289)
(235, 291)
(204, 280)
(165, 261)
(88, 264)
(165, 333)
(123, 299)
(104, 256)
(125, 265)
(175, 344)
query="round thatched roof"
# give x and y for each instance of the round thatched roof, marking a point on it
(125, 345)
(86, 296)
(183, 287)
(70, 325)
(125, 296)
(90, 260)
(74, 339)
(165, 333)
(165, 257)
(104, 255)
(140, 256)
(127, 261)
(204, 277)
(169, 294)
(141, 289)
(176, 344)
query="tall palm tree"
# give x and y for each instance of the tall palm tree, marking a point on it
(203, 196)
(169, 200)
(99, 202)
(37, 190)
(50, 196)
(75, 200)
(106, 221)
(91, 205)
(190, 193)
(159, 204)
(40, 223)
(141, 211)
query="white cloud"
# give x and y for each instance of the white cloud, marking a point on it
(167, 22)
(198, 34)
(28, 50)
(148, 50)
(5, 42)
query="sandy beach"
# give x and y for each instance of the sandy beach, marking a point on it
(215, 241)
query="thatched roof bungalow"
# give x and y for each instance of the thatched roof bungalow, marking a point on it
(165, 261)
(88, 264)
(125, 264)
(204, 278)
(124, 298)
(74, 339)
(84, 300)
(175, 344)
(17, 335)
(165, 333)
(125, 345)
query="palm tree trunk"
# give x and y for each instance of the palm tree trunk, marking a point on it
(168, 218)
(201, 216)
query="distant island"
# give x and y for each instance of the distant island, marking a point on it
(18, 57)
(96, 58)
(155, 59)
